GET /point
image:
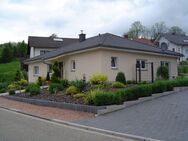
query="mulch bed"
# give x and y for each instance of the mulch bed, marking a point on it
(58, 97)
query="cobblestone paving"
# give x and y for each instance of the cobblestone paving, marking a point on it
(165, 118)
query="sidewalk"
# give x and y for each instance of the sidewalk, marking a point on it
(46, 112)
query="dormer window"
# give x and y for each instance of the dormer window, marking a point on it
(58, 39)
(164, 46)
(186, 41)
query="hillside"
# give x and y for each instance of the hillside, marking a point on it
(8, 71)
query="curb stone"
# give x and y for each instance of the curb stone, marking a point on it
(116, 134)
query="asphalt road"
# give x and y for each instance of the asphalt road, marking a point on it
(18, 127)
(164, 118)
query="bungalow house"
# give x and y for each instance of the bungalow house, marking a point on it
(175, 42)
(107, 54)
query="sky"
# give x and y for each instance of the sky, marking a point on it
(22, 18)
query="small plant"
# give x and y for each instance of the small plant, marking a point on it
(54, 87)
(40, 81)
(121, 77)
(33, 89)
(129, 82)
(64, 83)
(90, 97)
(98, 79)
(79, 84)
(71, 90)
(23, 82)
(79, 95)
(118, 85)
(11, 92)
(162, 72)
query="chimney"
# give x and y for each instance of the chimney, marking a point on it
(125, 36)
(82, 36)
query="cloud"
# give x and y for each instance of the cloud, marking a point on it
(21, 18)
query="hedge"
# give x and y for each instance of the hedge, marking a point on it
(100, 98)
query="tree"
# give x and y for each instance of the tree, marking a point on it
(136, 30)
(158, 28)
(56, 72)
(176, 30)
(7, 55)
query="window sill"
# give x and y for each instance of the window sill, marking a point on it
(114, 68)
(73, 70)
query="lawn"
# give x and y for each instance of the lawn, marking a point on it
(8, 71)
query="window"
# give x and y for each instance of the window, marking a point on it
(186, 50)
(49, 68)
(173, 49)
(113, 62)
(141, 64)
(36, 70)
(73, 65)
(43, 52)
(164, 63)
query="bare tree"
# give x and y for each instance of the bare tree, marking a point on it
(158, 28)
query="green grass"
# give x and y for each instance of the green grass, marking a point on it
(8, 71)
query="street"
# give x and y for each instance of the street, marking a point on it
(19, 127)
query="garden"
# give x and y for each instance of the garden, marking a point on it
(97, 91)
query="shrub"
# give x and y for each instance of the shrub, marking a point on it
(18, 76)
(121, 77)
(129, 82)
(40, 81)
(79, 95)
(23, 82)
(71, 90)
(3, 85)
(79, 84)
(13, 86)
(56, 73)
(89, 99)
(162, 72)
(11, 92)
(98, 79)
(64, 83)
(118, 85)
(54, 87)
(33, 89)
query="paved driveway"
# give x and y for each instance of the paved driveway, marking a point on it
(165, 118)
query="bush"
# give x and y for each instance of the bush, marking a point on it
(54, 87)
(99, 98)
(18, 76)
(23, 82)
(33, 89)
(121, 77)
(3, 86)
(98, 79)
(71, 90)
(40, 81)
(79, 95)
(162, 72)
(64, 83)
(129, 82)
(118, 85)
(56, 73)
(89, 99)
(11, 92)
(79, 84)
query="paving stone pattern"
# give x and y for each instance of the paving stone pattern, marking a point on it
(164, 118)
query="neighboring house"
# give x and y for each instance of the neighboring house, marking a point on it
(175, 42)
(41, 45)
(107, 54)
(145, 41)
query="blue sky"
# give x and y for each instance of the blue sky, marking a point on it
(22, 18)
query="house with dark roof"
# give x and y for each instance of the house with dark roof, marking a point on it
(41, 45)
(107, 54)
(175, 42)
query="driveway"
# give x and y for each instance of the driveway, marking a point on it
(165, 118)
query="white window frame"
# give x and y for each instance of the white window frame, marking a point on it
(140, 61)
(36, 70)
(49, 68)
(115, 63)
(73, 65)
